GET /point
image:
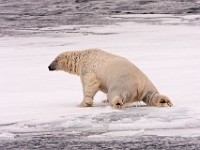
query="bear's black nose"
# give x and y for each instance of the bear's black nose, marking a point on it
(51, 68)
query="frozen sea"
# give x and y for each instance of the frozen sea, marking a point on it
(39, 108)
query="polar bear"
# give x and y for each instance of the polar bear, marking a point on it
(114, 75)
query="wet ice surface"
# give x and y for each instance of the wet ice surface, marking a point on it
(38, 106)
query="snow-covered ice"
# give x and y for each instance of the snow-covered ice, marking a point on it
(34, 99)
(7, 136)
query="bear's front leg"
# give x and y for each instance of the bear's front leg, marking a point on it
(90, 88)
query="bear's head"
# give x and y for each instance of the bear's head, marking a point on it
(67, 61)
(59, 63)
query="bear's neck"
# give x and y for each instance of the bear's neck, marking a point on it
(73, 64)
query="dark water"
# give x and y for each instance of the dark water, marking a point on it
(80, 141)
(29, 15)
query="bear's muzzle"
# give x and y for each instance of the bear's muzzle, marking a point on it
(52, 66)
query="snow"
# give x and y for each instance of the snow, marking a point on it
(34, 99)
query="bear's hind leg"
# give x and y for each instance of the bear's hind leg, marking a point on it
(162, 101)
(158, 100)
(90, 88)
(117, 103)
